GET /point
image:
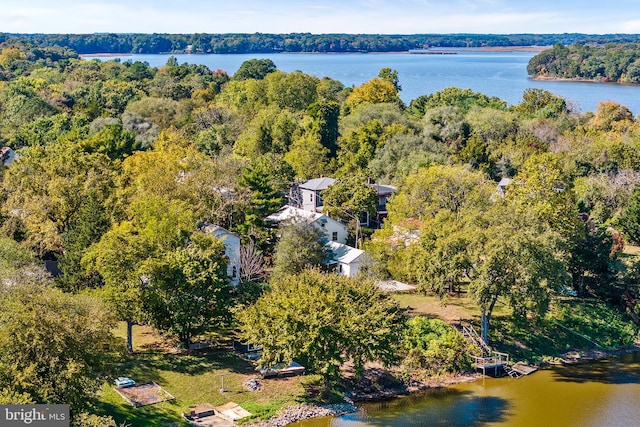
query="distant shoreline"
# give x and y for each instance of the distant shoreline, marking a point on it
(107, 55)
(580, 80)
(435, 50)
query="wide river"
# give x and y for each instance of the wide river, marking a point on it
(500, 74)
(593, 394)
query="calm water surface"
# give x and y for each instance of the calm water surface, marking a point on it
(595, 394)
(500, 74)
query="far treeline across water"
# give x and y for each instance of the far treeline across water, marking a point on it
(301, 42)
(608, 63)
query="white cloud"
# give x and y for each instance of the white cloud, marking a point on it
(630, 27)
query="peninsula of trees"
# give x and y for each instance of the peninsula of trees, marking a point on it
(601, 63)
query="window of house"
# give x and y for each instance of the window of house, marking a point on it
(334, 236)
(311, 197)
(340, 268)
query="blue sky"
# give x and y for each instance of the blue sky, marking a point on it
(320, 16)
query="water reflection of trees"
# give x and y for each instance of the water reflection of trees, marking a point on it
(445, 407)
(625, 370)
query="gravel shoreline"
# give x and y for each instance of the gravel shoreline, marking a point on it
(292, 414)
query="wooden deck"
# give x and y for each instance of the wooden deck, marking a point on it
(521, 369)
(496, 361)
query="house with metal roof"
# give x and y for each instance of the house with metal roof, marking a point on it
(334, 230)
(344, 260)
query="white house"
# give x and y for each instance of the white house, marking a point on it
(347, 260)
(231, 242)
(334, 230)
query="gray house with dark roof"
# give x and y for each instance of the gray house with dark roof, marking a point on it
(310, 193)
(308, 196)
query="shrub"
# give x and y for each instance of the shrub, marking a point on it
(436, 347)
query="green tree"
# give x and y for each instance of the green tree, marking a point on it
(435, 346)
(48, 200)
(295, 90)
(515, 263)
(374, 91)
(463, 99)
(116, 260)
(87, 227)
(391, 76)
(300, 246)
(266, 196)
(630, 219)
(326, 115)
(255, 69)
(272, 130)
(541, 103)
(324, 321)
(54, 347)
(156, 227)
(113, 141)
(455, 189)
(185, 291)
(349, 199)
(308, 157)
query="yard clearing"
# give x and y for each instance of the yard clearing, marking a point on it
(192, 378)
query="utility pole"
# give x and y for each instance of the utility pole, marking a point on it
(222, 389)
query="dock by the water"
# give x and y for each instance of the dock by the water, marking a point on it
(432, 52)
(495, 362)
(520, 369)
(491, 361)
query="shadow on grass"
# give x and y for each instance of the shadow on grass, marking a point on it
(528, 341)
(144, 367)
(441, 407)
(165, 414)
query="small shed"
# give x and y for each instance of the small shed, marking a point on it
(201, 410)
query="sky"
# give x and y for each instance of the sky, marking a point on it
(320, 16)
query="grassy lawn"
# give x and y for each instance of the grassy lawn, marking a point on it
(572, 324)
(191, 379)
(450, 309)
(196, 377)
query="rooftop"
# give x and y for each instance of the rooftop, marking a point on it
(317, 184)
(290, 212)
(343, 253)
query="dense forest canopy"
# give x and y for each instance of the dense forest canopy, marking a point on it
(606, 63)
(300, 42)
(120, 168)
